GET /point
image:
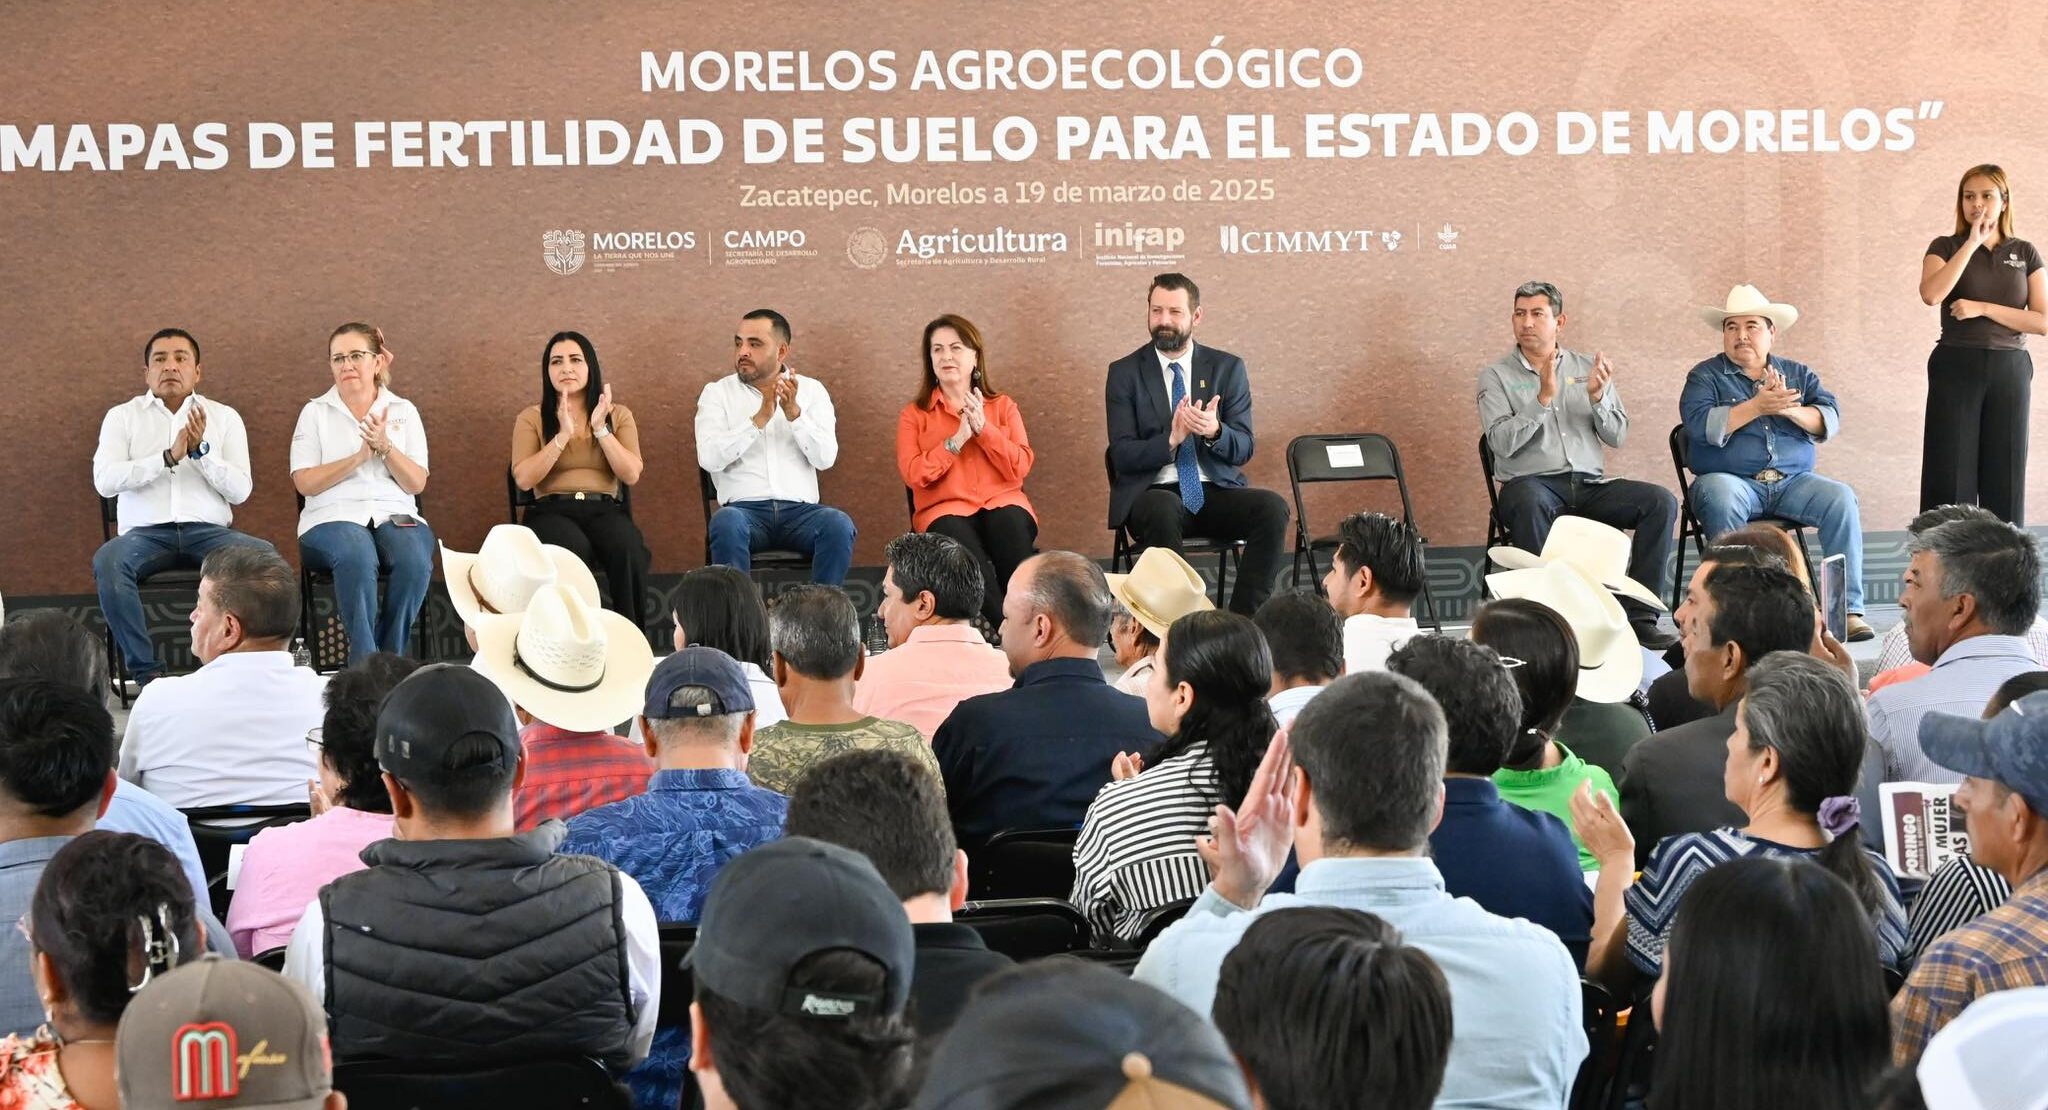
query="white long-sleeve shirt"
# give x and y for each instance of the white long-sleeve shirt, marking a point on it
(327, 431)
(129, 464)
(778, 462)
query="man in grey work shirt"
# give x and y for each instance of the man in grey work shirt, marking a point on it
(1548, 413)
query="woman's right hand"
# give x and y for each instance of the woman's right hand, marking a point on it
(1126, 765)
(1600, 828)
(565, 418)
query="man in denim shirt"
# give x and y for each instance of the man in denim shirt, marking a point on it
(1752, 421)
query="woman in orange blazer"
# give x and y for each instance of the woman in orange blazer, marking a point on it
(961, 449)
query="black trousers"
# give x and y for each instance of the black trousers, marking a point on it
(603, 535)
(1256, 516)
(1000, 539)
(1648, 512)
(1976, 443)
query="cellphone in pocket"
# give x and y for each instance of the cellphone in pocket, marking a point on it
(1834, 595)
(405, 520)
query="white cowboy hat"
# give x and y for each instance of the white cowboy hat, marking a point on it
(1598, 551)
(566, 661)
(1161, 588)
(505, 572)
(1610, 659)
(1748, 300)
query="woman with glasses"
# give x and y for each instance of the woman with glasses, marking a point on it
(285, 866)
(359, 460)
(111, 912)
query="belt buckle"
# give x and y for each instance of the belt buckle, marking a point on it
(579, 495)
(1769, 475)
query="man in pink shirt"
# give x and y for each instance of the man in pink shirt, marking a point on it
(930, 589)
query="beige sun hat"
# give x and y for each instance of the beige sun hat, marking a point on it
(1599, 551)
(1161, 588)
(566, 661)
(504, 574)
(1748, 300)
(1610, 659)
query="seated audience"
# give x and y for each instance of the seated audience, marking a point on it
(378, 948)
(818, 659)
(1035, 755)
(1305, 980)
(110, 913)
(719, 607)
(891, 810)
(1791, 767)
(1540, 772)
(936, 659)
(1671, 783)
(1374, 577)
(1356, 799)
(574, 672)
(231, 732)
(1062, 1033)
(802, 969)
(963, 455)
(1769, 996)
(2004, 799)
(1670, 700)
(1160, 589)
(284, 867)
(1307, 641)
(169, 1049)
(1132, 644)
(51, 644)
(1136, 852)
(1514, 862)
(1895, 661)
(1602, 720)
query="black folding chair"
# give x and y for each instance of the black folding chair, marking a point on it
(181, 577)
(1124, 548)
(329, 646)
(216, 840)
(1024, 863)
(558, 1083)
(678, 985)
(770, 558)
(272, 958)
(1601, 1015)
(1155, 920)
(1309, 461)
(1496, 529)
(1689, 526)
(1027, 928)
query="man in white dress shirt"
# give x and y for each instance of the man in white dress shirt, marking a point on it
(1374, 576)
(178, 464)
(763, 433)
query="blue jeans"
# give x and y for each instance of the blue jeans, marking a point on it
(1725, 502)
(355, 554)
(120, 565)
(819, 531)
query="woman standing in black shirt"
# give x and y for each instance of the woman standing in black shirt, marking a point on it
(1990, 288)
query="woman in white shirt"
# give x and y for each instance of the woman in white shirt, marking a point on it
(359, 460)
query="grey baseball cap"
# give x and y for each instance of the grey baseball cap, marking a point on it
(2010, 749)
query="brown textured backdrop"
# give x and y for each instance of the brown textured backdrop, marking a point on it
(263, 264)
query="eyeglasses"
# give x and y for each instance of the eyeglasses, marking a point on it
(350, 358)
(316, 740)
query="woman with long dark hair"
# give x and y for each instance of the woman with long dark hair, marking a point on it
(962, 451)
(1771, 995)
(1136, 851)
(577, 451)
(720, 607)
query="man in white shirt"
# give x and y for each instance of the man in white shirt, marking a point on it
(1372, 582)
(234, 731)
(763, 433)
(1306, 638)
(178, 465)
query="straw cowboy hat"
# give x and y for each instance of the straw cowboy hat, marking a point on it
(1600, 553)
(1610, 659)
(566, 661)
(505, 572)
(1161, 588)
(1748, 300)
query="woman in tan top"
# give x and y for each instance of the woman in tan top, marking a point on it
(577, 451)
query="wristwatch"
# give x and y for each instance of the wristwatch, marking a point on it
(199, 450)
(952, 446)
(600, 433)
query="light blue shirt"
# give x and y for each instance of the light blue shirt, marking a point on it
(1515, 996)
(135, 810)
(1962, 681)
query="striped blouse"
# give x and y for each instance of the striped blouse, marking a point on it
(1957, 893)
(1676, 861)
(1136, 851)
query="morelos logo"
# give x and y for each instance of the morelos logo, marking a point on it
(562, 250)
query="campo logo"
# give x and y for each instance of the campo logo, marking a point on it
(203, 1062)
(562, 250)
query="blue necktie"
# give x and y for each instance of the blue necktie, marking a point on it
(1191, 493)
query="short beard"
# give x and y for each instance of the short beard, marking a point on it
(762, 371)
(1166, 341)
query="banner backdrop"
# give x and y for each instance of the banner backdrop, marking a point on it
(1357, 190)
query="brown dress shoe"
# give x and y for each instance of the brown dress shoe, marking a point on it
(1859, 629)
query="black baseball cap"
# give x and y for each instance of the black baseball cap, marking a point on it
(432, 708)
(787, 900)
(707, 667)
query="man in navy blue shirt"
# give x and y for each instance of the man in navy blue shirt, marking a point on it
(1514, 862)
(1751, 422)
(1035, 755)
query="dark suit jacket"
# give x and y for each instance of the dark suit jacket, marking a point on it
(1140, 418)
(1672, 782)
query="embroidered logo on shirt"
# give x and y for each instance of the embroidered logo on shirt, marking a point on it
(2014, 261)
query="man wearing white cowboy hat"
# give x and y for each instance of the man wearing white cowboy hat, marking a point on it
(1752, 420)
(573, 670)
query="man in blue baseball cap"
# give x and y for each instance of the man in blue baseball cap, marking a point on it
(2004, 798)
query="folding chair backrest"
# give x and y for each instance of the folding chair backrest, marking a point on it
(1363, 457)
(1025, 863)
(1027, 928)
(1155, 920)
(515, 498)
(677, 984)
(557, 1083)
(110, 518)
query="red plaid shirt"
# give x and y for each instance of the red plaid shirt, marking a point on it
(569, 772)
